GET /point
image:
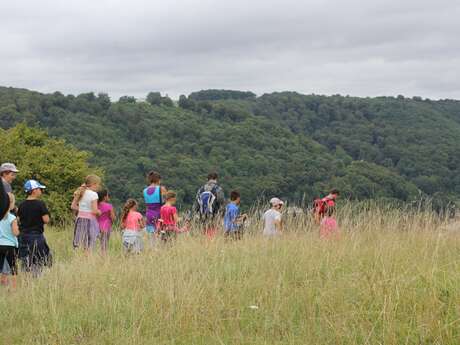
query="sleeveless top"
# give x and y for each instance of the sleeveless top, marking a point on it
(152, 199)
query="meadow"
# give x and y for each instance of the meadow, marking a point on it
(393, 277)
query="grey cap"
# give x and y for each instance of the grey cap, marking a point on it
(8, 167)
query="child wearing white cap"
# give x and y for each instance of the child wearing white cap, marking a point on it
(33, 215)
(273, 219)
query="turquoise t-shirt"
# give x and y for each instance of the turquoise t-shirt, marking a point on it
(6, 232)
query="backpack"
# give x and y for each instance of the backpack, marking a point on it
(320, 206)
(207, 200)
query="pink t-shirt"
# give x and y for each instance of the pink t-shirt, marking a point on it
(105, 219)
(328, 227)
(132, 221)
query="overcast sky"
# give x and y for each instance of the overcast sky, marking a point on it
(355, 47)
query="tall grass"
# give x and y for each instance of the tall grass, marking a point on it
(392, 278)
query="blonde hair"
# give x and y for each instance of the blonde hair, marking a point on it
(90, 180)
(130, 203)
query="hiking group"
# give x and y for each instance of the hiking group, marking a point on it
(22, 229)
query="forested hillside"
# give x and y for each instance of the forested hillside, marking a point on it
(287, 144)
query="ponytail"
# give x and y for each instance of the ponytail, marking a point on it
(130, 203)
(89, 181)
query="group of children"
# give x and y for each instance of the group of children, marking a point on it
(95, 217)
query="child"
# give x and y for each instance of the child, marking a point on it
(85, 202)
(272, 218)
(8, 241)
(232, 219)
(33, 215)
(329, 227)
(169, 219)
(132, 223)
(153, 201)
(105, 219)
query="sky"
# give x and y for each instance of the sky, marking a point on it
(348, 47)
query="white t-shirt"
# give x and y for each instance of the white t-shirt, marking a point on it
(85, 203)
(270, 217)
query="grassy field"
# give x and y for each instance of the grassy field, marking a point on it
(391, 278)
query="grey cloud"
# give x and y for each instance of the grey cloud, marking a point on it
(317, 46)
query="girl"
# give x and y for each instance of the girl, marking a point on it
(85, 203)
(153, 201)
(9, 231)
(105, 219)
(132, 223)
(329, 227)
(169, 219)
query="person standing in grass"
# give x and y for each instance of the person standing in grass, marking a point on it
(8, 242)
(273, 225)
(329, 228)
(322, 205)
(8, 173)
(33, 214)
(105, 219)
(169, 219)
(232, 219)
(133, 223)
(153, 198)
(209, 203)
(85, 203)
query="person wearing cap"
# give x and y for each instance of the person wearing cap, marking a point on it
(8, 172)
(33, 214)
(273, 219)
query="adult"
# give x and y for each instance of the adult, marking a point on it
(321, 206)
(8, 173)
(4, 201)
(273, 225)
(153, 194)
(209, 204)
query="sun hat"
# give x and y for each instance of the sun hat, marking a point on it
(8, 167)
(30, 185)
(276, 202)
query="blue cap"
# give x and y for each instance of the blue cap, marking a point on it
(30, 185)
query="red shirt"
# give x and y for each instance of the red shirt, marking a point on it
(167, 214)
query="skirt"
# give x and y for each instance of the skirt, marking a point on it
(85, 233)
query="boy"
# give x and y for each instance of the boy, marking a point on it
(33, 215)
(272, 218)
(232, 219)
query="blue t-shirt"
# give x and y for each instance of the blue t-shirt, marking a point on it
(6, 232)
(231, 215)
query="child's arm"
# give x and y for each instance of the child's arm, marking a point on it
(142, 222)
(74, 205)
(94, 208)
(46, 218)
(113, 216)
(176, 218)
(15, 227)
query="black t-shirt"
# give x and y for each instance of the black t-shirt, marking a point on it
(30, 215)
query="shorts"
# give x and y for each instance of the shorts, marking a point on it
(132, 241)
(10, 254)
(85, 233)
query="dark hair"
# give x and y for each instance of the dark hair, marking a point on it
(234, 194)
(102, 194)
(170, 195)
(153, 177)
(335, 191)
(212, 176)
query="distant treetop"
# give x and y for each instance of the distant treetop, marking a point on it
(215, 95)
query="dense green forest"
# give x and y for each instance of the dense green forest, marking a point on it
(292, 145)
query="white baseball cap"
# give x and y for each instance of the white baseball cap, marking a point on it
(276, 201)
(8, 167)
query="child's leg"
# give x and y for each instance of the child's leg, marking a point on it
(5, 271)
(11, 258)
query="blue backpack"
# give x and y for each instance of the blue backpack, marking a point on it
(207, 201)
